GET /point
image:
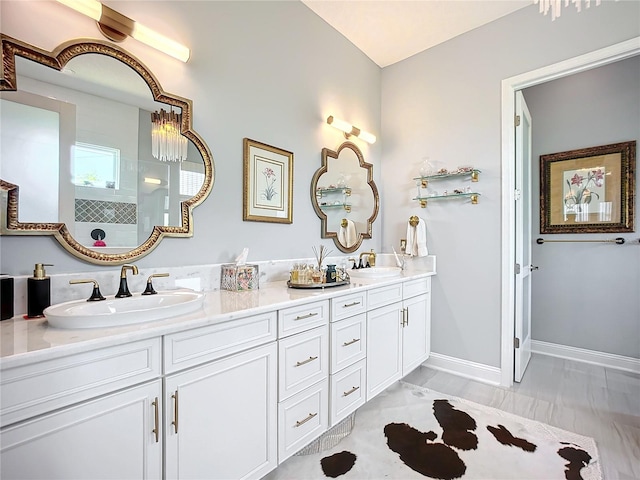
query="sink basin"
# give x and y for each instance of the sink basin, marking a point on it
(114, 312)
(375, 272)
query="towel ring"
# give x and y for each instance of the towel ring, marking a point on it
(414, 220)
(344, 223)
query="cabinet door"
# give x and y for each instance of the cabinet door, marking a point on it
(416, 333)
(221, 418)
(384, 347)
(112, 437)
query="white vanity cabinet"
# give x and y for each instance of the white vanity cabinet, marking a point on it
(303, 372)
(89, 415)
(226, 397)
(398, 331)
(220, 398)
(348, 355)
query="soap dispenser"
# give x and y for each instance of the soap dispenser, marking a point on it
(38, 291)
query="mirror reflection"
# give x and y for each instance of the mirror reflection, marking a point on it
(345, 196)
(89, 147)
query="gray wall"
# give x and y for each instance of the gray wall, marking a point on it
(273, 71)
(445, 103)
(585, 295)
(269, 71)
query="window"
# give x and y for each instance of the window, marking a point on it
(191, 178)
(96, 166)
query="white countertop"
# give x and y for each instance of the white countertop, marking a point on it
(26, 341)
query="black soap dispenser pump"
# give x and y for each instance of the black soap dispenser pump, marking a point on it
(38, 291)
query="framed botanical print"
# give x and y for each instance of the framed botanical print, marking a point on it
(268, 183)
(589, 190)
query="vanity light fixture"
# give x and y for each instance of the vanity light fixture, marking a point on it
(349, 129)
(153, 181)
(167, 142)
(116, 27)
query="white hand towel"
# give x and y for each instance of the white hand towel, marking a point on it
(417, 239)
(348, 235)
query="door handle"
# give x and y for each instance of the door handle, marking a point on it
(156, 419)
(534, 267)
(175, 411)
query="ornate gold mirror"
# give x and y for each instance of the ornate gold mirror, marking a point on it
(345, 196)
(82, 159)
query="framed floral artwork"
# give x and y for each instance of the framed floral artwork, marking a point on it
(268, 183)
(590, 190)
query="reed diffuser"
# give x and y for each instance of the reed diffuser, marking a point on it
(321, 254)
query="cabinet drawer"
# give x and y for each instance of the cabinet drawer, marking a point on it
(303, 317)
(348, 391)
(302, 418)
(303, 360)
(348, 305)
(416, 287)
(200, 345)
(30, 390)
(348, 341)
(379, 297)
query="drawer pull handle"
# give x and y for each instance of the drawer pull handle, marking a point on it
(309, 417)
(156, 419)
(175, 411)
(346, 305)
(304, 362)
(349, 392)
(346, 344)
(302, 317)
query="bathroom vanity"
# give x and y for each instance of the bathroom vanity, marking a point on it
(229, 391)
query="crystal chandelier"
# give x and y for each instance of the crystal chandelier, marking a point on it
(556, 6)
(167, 143)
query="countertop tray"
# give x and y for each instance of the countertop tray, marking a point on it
(317, 285)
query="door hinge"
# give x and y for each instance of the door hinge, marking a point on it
(516, 342)
(517, 120)
(517, 194)
(517, 268)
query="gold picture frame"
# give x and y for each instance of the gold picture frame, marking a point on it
(590, 190)
(268, 183)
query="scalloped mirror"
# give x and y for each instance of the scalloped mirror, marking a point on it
(345, 197)
(77, 159)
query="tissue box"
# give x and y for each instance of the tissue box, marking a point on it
(239, 277)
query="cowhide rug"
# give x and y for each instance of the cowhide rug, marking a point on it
(409, 432)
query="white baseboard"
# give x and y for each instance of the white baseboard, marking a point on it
(464, 368)
(603, 359)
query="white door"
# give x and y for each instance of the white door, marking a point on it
(115, 437)
(523, 238)
(384, 348)
(416, 332)
(221, 418)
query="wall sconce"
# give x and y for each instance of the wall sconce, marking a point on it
(116, 27)
(349, 129)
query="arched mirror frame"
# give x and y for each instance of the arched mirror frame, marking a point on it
(57, 59)
(326, 154)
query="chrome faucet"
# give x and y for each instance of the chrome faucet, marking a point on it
(123, 290)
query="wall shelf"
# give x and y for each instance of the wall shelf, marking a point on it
(423, 182)
(473, 195)
(474, 173)
(322, 192)
(346, 206)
